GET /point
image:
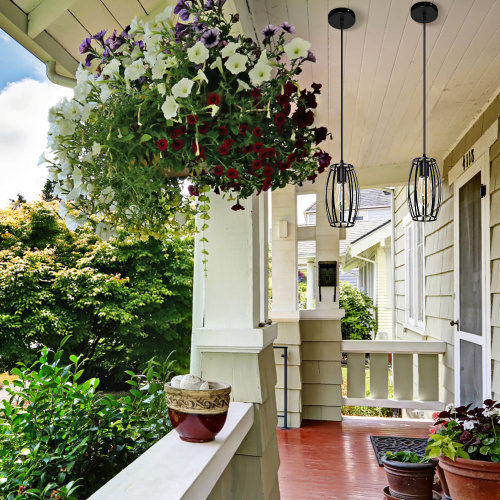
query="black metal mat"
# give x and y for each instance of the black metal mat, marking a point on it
(381, 444)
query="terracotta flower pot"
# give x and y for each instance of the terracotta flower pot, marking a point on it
(410, 481)
(197, 415)
(471, 479)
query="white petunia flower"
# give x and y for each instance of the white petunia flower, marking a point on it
(72, 110)
(198, 53)
(242, 85)
(72, 222)
(217, 64)
(200, 77)
(230, 49)
(165, 15)
(104, 231)
(215, 109)
(169, 107)
(135, 70)
(159, 69)
(450, 407)
(107, 195)
(136, 53)
(469, 425)
(136, 26)
(87, 108)
(297, 48)
(82, 74)
(112, 69)
(106, 92)
(96, 148)
(171, 62)
(65, 127)
(162, 88)
(81, 91)
(182, 88)
(63, 209)
(260, 73)
(236, 63)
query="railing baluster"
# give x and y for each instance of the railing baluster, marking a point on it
(379, 376)
(356, 375)
(402, 376)
(428, 377)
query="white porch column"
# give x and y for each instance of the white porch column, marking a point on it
(229, 346)
(320, 328)
(311, 283)
(285, 301)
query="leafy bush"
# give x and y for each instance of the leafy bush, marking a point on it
(359, 321)
(122, 301)
(60, 438)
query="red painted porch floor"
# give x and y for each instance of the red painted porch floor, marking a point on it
(335, 460)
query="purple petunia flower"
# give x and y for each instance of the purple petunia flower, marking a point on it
(86, 46)
(184, 14)
(210, 38)
(100, 36)
(105, 54)
(88, 60)
(181, 5)
(125, 32)
(287, 28)
(209, 4)
(310, 57)
(180, 29)
(269, 30)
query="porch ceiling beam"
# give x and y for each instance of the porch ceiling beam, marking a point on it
(381, 176)
(45, 13)
(15, 22)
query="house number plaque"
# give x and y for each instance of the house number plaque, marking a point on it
(468, 159)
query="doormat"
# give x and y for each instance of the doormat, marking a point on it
(381, 444)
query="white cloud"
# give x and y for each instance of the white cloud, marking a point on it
(24, 125)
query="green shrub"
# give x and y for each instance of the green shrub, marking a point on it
(122, 301)
(60, 438)
(359, 321)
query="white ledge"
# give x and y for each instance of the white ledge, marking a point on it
(393, 346)
(250, 340)
(394, 403)
(322, 314)
(284, 316)
(177, 470)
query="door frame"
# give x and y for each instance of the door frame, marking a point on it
(481, 165)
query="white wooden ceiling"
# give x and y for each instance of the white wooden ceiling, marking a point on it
(383, 65)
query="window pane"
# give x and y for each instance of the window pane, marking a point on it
(420, 271)
(410, 273)
(470, 257)
(471, 374)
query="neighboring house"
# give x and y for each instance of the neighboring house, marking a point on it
(360, 269)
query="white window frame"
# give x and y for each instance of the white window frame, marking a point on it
(411, 227)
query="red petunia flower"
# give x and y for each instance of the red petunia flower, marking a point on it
(257, 132)
(223, 150)
(303, 118)
(247, 149)
(256, 103)
(311, 177)
(174, 134)
(182, 130)
(316, 87)
(267, 153)
(291, 158)
(162, 144)
(192, 119)
(267, 184)
(203, 129)
(268, 171)
(223, 130)
(244, 129)
(289, 88)
(178, 144)
(237, 206)
(228, 142)
(280, 119)
(287, 108)
(256, 164)
(320, 134)
(256, 93)
(213, 98)
(199, 150)
(193, 191)
(218, 170)
(283, 166)
(258, 147)
(299, 143)
(232, 173)
(283, 99)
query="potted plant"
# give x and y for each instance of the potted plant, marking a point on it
(197, 409)
(467, 442)
(410, 476)
(193, 97)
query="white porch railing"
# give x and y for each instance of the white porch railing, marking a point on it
(408, 357)
(173, 469)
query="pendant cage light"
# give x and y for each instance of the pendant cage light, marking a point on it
(424, 190)
(342, 188)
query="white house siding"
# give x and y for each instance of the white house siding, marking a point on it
(439, 260)
(495, 266)
(384, 311)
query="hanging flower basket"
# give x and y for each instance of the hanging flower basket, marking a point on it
(188, 98)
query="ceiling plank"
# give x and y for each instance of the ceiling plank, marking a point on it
(45, 13)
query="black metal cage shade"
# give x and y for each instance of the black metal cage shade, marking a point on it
(424, 190)
(341, 195)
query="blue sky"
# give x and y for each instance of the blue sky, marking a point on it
(26, 95)
(17, 63)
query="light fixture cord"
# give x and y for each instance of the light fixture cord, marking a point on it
(342, 90)
(424, 23)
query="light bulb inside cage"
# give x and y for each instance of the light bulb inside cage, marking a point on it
(341, 195)
(424, 190)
